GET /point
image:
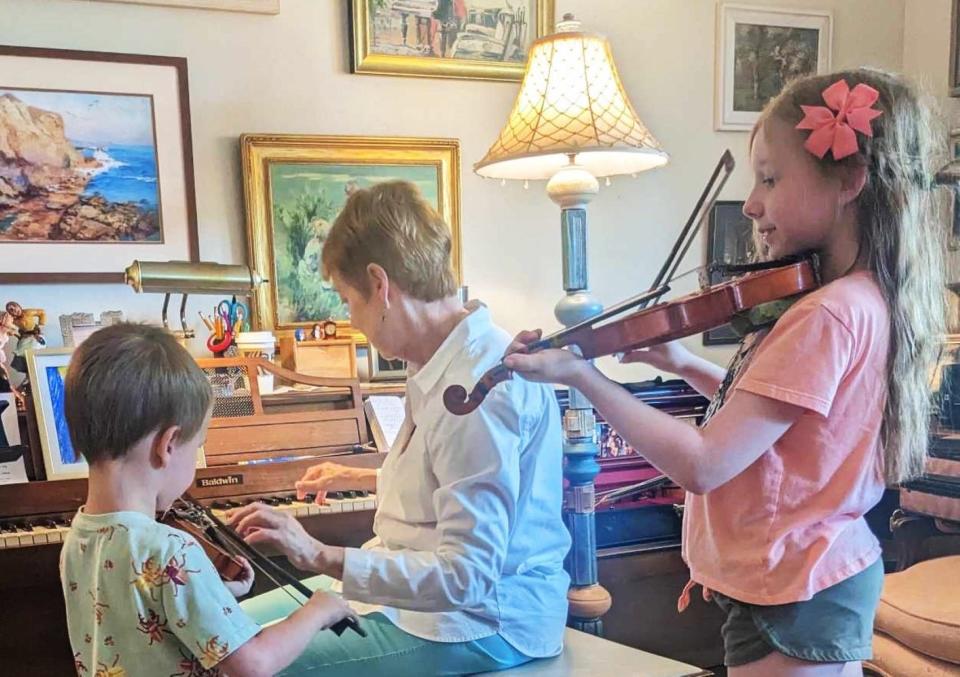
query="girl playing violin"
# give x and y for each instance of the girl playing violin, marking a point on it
(818, 411)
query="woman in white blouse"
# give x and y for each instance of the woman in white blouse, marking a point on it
(465, 572)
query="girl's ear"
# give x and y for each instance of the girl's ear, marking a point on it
(162, 447)
(852, 181)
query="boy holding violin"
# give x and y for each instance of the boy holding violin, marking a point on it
(142, 598)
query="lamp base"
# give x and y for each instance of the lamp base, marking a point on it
(572, 186)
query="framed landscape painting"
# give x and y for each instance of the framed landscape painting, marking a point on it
(759, 50)
(295, 186)
(477, 39)
(96, 164)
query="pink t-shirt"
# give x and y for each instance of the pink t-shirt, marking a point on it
(792, 523)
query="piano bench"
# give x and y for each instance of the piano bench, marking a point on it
(586, 655)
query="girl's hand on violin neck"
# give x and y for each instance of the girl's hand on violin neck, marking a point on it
(670, 357)
(259, 524)
(545, 366)
(242, 585)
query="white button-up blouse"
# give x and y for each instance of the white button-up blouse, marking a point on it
(469, 539)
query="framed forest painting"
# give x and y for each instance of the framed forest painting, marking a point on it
(296, 185)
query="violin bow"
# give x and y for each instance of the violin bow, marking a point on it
(456, 398)
(232, 540)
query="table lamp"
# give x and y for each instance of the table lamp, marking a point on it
(572, 123)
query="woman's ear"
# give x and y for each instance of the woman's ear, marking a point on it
(162, 447)
(852, 181)
(379, 283)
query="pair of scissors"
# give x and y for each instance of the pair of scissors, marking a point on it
(234, 315)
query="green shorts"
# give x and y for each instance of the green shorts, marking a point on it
(834, 626)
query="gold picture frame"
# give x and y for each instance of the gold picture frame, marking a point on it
(485, 44)
(294, 186)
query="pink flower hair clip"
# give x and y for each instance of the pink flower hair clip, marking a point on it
(835, 131)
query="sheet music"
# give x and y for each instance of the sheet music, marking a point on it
(11, 472)
(385, 414)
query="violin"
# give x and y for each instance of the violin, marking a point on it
(229, 567)
(223, 544)
(711, 307)
(688, 315)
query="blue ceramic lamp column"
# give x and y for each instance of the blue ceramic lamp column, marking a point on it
(571, 123)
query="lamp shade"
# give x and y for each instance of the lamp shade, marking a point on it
(571, 101)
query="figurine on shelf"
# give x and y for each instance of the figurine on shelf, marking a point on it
(29, 322)
(7, 329)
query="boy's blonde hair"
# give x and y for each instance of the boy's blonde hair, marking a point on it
(390, 224)
(901, 240)
(127, 381)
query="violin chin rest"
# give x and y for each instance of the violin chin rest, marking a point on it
(456, 401)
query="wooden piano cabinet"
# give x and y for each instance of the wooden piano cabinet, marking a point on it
(645, 582)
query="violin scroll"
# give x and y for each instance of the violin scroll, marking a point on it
(456, 399)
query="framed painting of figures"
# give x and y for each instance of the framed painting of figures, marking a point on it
(476, 39)
(759, 50)
(96, 164)
(295, 186)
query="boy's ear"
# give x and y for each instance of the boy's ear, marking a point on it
(852, 181)
(162, 447)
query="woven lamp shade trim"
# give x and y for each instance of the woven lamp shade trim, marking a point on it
(571, 101)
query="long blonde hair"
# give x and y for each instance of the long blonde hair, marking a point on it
(901, 240)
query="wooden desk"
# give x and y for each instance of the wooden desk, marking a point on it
(328, 358)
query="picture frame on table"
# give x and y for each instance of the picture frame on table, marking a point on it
(100, 170)
(380, 368)
(296, 185)
(47, 368)
(954, 84)
(759, 49)
(730, 241)
(471, 39)
(953, 235)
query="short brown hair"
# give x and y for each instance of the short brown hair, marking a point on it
(390, 224)
(126, 381)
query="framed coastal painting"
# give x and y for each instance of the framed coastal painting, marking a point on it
(729, 242)
(296, 185)
(476, 39)
(96, 168)
(47, 368)
(759, 50)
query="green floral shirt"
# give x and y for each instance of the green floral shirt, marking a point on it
(143, 600)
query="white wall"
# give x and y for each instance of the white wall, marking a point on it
(289, 73)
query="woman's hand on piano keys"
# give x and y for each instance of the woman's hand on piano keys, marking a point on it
(326, 477)
(259, 524)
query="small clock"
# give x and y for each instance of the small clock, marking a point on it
(329, 329)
